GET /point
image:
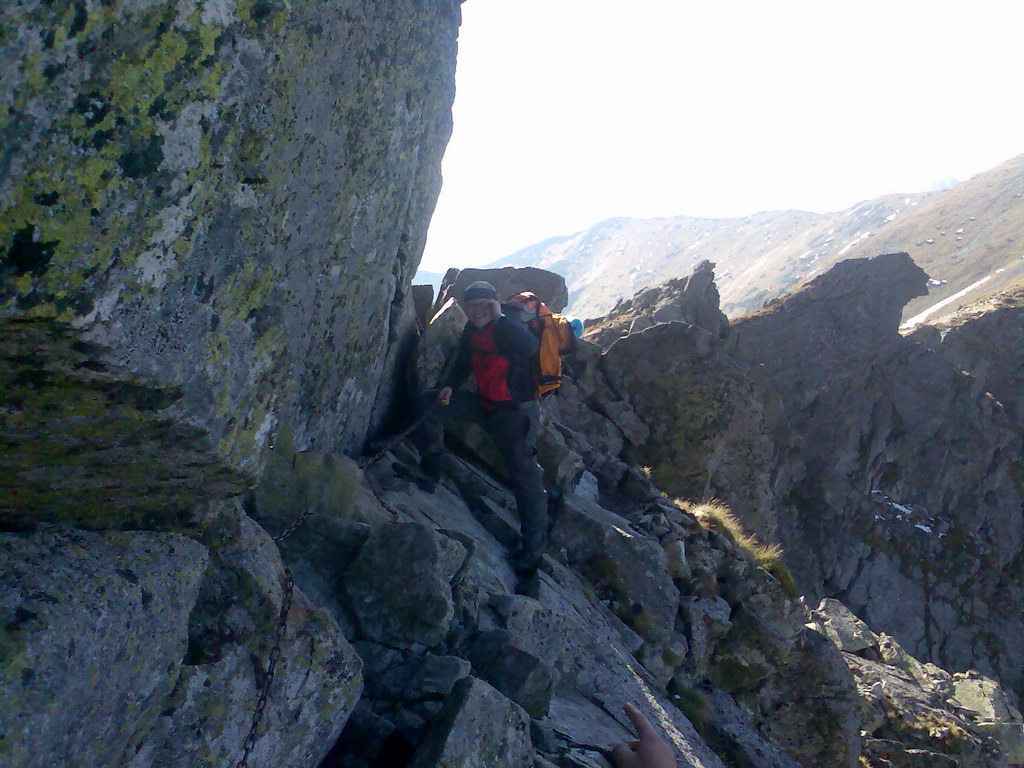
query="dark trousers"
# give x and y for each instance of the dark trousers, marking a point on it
(514, 431)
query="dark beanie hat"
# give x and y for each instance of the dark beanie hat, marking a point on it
(480, 290)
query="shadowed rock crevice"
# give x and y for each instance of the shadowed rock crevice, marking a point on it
(84, 443)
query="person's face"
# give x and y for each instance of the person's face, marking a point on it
(480, 312)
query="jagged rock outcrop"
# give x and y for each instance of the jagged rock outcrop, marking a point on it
(708, 436)
(886, 473)
(692, 300)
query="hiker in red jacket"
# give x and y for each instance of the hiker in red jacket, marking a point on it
(496, 349)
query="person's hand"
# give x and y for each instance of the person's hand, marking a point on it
(444, 396)
(649, 751)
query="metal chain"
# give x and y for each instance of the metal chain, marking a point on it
(393, 443)
(295, 524)
(275, 656)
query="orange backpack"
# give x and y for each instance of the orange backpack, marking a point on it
(555, 336)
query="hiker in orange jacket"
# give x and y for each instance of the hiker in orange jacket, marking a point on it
(496, 350)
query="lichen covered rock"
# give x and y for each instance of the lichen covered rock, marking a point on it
(87, 444)
(400, 584)
(93, 632)
(231, 633)
(231, 197)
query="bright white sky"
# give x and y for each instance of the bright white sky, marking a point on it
(569, 112)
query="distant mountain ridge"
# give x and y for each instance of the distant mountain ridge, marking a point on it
(763, 256)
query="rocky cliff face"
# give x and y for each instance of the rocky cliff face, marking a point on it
(897, 474)
(230, 198)
(211, 212)
(984, 340)
(885, 466)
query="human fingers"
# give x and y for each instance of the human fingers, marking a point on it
(624, 755)
(642, 725)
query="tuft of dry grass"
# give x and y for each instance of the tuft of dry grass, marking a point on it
(715, 516)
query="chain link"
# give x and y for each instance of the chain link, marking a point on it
(393, 442)
(295, 524)
(275, 656)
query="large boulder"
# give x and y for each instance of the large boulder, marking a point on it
(231, 198)
(508, 281)
(438, 344)
(848, 633)
(232, 632)
(518, 674)
(989, 711)
(810, 708)
(479, 728)
(628, 570)
(163, 642)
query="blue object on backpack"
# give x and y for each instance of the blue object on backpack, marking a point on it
(577, 327)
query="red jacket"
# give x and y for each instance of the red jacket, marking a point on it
(498, 355)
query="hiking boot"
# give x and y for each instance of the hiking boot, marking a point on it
(528, 585)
